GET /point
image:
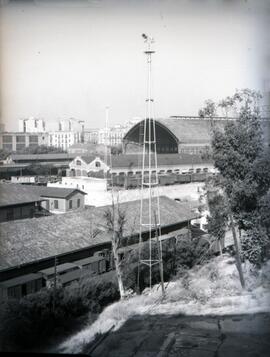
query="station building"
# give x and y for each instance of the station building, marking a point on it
(181, 134)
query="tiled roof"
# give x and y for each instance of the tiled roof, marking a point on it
(27, 240)
(134, 160)
(14, 193)
(57, 192)
(42, 157)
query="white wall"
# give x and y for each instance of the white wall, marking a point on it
(94, 188)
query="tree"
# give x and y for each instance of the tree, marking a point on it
(209, 109)
(116, 219)
(244, 166)
(218, 219)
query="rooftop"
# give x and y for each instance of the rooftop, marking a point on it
(28, 240)
(42, 157)
(14, 193)
(20, 280)
(60, 268)
(134, 160)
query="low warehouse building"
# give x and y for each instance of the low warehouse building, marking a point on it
(29, 246)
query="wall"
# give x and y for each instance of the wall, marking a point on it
(93, 187)
(84, 168)
(11, 213)
(18, 141)
(63, 204)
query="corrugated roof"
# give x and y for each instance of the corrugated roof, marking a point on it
(27, 240)
(192, 131)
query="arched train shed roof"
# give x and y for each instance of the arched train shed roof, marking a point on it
(188, 130)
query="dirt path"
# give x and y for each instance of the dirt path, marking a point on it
(160, 335)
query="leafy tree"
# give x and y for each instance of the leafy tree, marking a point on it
(239, 154)
(218, 219)
(209, 109)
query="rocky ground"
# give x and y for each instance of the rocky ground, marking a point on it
(187, 336)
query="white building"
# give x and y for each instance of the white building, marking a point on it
(64, 139)
(83, 165)
(69, 132)
(114, 135)
(32, 125)
(130, 164)
(95, 188)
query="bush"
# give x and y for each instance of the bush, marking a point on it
(255, 244)
(32, 322)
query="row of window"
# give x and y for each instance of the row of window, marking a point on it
(70, 204)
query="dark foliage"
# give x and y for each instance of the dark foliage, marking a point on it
(32, 323)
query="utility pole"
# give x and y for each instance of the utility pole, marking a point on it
(150, 207)
(236, 242)
(55, 281)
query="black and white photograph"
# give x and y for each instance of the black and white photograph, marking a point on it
(135, 178)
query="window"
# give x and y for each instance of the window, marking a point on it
(97, 164)
(78, 202)
(20, 139)
(78, 162)
(7, 139)
(55, 203)
(70, 204)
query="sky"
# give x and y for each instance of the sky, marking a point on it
(62, 59)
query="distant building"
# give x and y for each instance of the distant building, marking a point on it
(95, 188)
(16, 141)
(19, 201)
(32, 125)
(182, 134)
(88, 149)
(40, 158)
(2, 127)
(68, 133)
(131, 164)
(45, 238)
(64, 139)
(61, 200)
(114, 135)
(91, 136)
(83, 165)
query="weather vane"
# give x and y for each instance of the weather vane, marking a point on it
(148, 39)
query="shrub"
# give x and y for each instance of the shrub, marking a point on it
(32, 321)
(255, 243)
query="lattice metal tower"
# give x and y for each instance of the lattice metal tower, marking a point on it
(150, 207)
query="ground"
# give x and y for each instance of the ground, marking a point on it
(212, 289)
(161, 335)
(186, 192)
